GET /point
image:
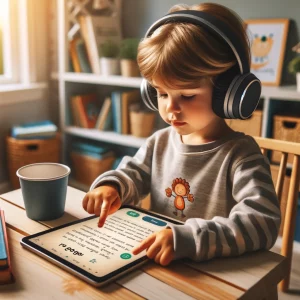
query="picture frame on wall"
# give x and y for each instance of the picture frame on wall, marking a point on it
(268, 43)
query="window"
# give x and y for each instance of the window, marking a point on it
(8, 38)
(23, 54)
(2, 14)
(1, 43)
(18, 24)
(1, 51)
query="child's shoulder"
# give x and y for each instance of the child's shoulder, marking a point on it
(247, 143)
(244, 147)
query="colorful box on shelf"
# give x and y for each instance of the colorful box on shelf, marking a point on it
(34, 130)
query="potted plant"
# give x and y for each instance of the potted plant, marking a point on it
(141, 120)
(294, 65)
(128, 55)
(109, 58)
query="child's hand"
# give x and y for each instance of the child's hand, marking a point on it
(103, 200)
(159, 247)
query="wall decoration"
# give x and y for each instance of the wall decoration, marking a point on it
(268, 41)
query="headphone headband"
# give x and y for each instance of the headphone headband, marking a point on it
(211, 23)
(236, 92)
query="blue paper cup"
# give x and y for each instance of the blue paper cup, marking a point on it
(44, 190)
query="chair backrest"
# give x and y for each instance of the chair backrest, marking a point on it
(288, 230)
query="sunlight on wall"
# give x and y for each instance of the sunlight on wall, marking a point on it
(1, 52)
(2, 6)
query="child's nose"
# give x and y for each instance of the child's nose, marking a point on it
(172, 106)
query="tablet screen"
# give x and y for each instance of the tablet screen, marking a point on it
(101, 251)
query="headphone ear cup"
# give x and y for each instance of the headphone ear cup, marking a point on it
(149, 95)
(246, 96)
(222, 84)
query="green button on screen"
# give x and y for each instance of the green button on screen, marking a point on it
(125, 255)
(132, 214)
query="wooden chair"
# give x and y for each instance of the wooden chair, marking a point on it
(291, 206)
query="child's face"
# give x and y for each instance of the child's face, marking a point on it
(189, 111)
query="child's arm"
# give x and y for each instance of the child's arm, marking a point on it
(133, 175)
(253, 222)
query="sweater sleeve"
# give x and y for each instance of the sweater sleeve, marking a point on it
(133, 175)
(253, 223)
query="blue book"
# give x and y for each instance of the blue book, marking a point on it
(36, 124)
(84, 147)
(31, 130)
(116, 111)
(3, 252)
(95, 155)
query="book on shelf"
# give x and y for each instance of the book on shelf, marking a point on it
(82, 57)
(97, 152)
(85, 110)
(75, 112)
(104, 115)
(108, 123)
(74, 55)
(34, 130)
(121, 101)
(6, 275)
(128, 98)
(78, 56)
(95, 29)
(88, 34)
(116, 106)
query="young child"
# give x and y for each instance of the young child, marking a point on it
(197, 170)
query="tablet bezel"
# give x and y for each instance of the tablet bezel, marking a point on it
(85, 275)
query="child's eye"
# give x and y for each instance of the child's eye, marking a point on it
(188, 97)
(162, 96)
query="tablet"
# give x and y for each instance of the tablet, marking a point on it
(98, 255)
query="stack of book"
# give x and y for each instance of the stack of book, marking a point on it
(94, 151)
(89, 161)
(112, 115)
(6, 275)
(34, 130)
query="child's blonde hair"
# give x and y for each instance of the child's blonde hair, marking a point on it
(182, 54)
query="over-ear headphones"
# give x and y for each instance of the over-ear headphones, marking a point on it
(237, 91)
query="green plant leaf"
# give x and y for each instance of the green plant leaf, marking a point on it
(109, 49)
(128, 48)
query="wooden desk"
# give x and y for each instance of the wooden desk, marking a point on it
(251, 276)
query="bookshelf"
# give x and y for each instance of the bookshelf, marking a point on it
(70, 82)
(273, 98)
(115, 80)
(106, 136)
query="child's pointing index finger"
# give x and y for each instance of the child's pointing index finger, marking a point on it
(145, 244)
(105, 207)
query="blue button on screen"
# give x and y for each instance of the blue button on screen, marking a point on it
(154, 221)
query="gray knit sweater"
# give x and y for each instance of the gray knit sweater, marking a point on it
(222, 190)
